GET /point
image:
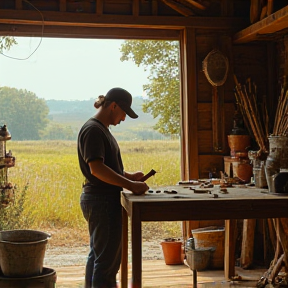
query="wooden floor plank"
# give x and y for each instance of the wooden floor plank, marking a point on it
(157, 274)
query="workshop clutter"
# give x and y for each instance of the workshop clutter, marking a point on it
(238, 164)
(259, 176)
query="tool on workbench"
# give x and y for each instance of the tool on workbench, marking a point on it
(148, 175)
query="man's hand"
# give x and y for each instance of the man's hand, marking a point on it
(139, 188)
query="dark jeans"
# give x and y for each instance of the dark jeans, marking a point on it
(104, 216)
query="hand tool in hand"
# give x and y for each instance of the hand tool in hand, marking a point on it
(148, 175)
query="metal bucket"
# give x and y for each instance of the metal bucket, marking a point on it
(46, 280)
(199, 259)
(22, 252)
(208, 237)
(259, 173)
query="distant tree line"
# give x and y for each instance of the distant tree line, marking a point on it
(26, 117)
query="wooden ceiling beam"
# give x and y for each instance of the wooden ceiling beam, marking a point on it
(52, 18)
(88, 32)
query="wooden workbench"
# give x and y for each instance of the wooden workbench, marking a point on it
(238, 203)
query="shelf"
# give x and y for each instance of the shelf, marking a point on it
(266, 29)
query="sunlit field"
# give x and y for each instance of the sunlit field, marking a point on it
(53, 179)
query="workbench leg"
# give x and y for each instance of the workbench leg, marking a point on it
(136, 243)
(230, 242)
(124, 261)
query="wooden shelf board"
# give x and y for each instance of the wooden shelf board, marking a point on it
(275, 22)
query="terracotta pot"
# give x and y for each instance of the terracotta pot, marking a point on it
(238, 143)
(173, 252)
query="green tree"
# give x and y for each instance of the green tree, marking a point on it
(57, 131)
(161, 59)
(24, 113)
(6, 42)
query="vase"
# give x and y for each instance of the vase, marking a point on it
(277, 159)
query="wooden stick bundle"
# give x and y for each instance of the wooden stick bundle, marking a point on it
(281, 118)
(255, 121)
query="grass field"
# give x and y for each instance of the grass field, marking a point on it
(49, 170)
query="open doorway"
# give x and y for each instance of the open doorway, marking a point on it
(68, 78)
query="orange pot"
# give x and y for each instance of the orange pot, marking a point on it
(172, 251)
(238, 143)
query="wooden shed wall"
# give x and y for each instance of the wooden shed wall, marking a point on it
(244, 61)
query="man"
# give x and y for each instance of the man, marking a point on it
(101, 164)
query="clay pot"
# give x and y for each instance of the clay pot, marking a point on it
(173, 252)
(238, 144)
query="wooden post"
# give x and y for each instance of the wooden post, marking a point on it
(248, 243)
(230, 241)
(124, 262)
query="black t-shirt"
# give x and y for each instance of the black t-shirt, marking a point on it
(96, 142)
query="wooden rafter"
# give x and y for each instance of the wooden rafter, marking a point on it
(178, 7)
(196, 4)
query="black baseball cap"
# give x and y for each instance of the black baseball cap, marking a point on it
(123, 98)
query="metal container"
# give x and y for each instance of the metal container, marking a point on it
(46, 280)
(199, 259)
(259, 174)
(22, 252)
(277, 159)
(208, 237)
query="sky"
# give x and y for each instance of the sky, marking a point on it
(69, 69)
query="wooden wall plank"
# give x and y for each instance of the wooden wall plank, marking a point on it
(189, 130)
(204, 112)
(208, 163)
(205, 142)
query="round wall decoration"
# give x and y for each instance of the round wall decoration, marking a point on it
(215, 67)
